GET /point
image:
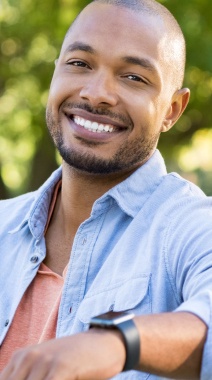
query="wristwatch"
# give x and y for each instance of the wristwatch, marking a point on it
(123, 322)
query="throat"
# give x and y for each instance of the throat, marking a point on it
(58, 251)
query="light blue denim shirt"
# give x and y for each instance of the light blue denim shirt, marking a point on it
(146, 247)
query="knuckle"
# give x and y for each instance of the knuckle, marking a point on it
(16, 355)
(32, 355)
(29, 355)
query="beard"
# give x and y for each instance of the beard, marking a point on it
(129, 154)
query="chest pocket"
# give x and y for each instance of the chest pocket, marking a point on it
(133, 295)
(130, 295)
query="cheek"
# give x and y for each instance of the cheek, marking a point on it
(147, 118)
(142, 109)
(57, 92)
(60, 90)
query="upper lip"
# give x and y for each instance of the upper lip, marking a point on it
(100, 119)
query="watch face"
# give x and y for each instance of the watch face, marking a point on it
(111, 318)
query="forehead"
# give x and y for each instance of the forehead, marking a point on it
(118, 31)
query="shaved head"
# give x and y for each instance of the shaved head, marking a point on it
(175, 46)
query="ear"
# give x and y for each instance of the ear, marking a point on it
(179, 103)
(55, 62)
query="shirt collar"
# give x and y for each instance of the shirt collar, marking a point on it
(130, 195)
(133, 192)
(37, 215)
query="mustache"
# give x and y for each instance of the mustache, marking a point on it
(99, 111)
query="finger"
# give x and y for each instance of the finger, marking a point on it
(13, 372)
(18, 367)
(5, 374)
(18, 373)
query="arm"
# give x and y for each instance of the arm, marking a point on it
(171, 346)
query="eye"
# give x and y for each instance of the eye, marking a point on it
(136, 78)
(77, 64)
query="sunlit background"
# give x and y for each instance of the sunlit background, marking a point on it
(30, 37)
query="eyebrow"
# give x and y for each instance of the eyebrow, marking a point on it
(143, 62)
(81, 47)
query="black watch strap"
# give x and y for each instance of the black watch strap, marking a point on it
(131, 339)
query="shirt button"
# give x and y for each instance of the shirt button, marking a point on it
(6, 322)
(111, 307)
(34, 259)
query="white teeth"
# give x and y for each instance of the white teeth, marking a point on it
(93, 126)
(101, 127)
(87, 124)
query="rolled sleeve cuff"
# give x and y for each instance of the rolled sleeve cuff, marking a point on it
(201, 306)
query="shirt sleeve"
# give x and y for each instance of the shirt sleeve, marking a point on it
(202, 306)
(188, 254)
(206, 369)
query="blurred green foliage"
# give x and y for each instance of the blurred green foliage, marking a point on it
(31, 35)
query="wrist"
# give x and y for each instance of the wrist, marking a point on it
(113, 344)
(123, 323)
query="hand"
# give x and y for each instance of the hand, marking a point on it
(93, 355)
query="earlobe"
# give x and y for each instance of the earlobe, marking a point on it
(179, 103)
(166, 125)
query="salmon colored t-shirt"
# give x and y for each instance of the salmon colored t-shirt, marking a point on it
(36, 316)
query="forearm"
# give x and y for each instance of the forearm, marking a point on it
(171, 344)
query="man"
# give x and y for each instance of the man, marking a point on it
(118, 233)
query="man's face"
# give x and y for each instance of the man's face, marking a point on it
(109, 94)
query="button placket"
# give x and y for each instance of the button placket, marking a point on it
(84, 240)
(76, 280)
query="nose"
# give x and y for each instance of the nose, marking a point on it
(100, 90)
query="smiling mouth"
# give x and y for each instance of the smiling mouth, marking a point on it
(93, 126)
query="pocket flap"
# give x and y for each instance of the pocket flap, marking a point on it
(119, 297)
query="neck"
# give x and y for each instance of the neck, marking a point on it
(80, 191)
